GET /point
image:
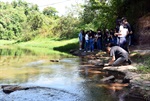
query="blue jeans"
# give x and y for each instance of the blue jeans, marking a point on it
(91, 41)
(99, 44)
(86, 45)
(115, 40)
(122, 42)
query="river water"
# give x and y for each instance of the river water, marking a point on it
(66, 80)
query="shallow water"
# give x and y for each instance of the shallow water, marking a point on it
(64, 80)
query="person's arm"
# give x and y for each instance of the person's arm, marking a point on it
(112, 60)
(118, 34)
(129, 28)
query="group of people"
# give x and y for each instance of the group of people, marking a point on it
(115, 41)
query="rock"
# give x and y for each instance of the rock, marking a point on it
(120, 68)
(100, 64)
(126, 80)
(72, 51)
(96, 62)
(11, 88)
(119, 81)
(54, 60)
(108, 78)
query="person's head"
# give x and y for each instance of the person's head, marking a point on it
(98, 30)
(82, 31)
(124, 20)
(91, 31)
(87, 32)
(108, 49)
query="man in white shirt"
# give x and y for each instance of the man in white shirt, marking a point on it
(87, 41)
(121, 41)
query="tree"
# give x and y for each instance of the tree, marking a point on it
(50, 11)
(98, 14)
(35, 20)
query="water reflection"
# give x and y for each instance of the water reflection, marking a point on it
(15, 52)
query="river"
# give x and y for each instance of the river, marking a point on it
(64, 80)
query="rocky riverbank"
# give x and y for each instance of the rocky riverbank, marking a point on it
(139, 83)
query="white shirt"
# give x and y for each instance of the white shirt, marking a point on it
(123, 31)
(86, 37)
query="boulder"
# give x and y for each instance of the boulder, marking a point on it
(11, 88)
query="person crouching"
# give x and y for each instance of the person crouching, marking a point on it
(118, 56)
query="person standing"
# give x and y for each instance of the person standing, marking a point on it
(83, 39)
(86, 42)
(80, 35)
(115, 37)
(121, 41)
(127, 25)
(91, 41)
(99, 39)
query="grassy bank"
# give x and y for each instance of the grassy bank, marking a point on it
(44, 45)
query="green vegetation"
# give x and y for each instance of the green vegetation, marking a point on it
(40, 46)
(143, 62)
(23, 21)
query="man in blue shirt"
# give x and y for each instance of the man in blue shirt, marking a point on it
(80, 40)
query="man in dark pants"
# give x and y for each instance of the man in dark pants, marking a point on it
(119, 56)
(127, 25)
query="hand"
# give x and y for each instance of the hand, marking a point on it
(116, 34)
(106, 64)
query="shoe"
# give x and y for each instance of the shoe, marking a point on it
(129, 62)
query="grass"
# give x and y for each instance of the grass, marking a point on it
(47, 43)
(44, 45)
(143, 62)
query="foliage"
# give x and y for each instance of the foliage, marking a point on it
(66, 27)
(50, 11)
(143, 62)
(99, 14)
(23, 21)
